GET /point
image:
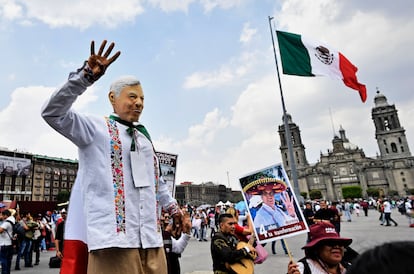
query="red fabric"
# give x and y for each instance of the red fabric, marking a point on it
(239, 233)
(349, 76)
(75, 259)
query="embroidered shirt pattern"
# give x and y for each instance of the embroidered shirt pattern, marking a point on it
(117, 175)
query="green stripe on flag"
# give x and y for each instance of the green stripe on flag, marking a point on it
(294, 55)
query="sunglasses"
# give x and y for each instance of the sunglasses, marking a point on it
(333, 244)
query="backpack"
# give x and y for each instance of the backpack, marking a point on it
(18, 230)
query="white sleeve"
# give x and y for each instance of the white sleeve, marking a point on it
(58, 113)
(179, 245)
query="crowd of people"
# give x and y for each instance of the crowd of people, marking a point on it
(37, 233)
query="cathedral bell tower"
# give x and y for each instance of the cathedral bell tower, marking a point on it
(389, 133)
(298, 147)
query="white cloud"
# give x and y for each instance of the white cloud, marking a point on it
(9, 10)
(171, 5)
(229, 72)
(27, 130)
(81, 14)
(247, 33)
(209, 5)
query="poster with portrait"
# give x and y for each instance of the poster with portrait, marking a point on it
(168, 166)
(15, 166)
(272, 204)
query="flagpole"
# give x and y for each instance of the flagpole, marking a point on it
(288, 136)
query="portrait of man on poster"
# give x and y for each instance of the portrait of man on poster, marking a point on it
(272, 204)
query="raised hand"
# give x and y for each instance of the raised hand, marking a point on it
(289, 203)
(98, 63)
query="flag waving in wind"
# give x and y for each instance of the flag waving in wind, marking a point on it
(307, 58)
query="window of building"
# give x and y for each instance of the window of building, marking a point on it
(46, 198)
(55, 183)
(28, 182)
(7, 180)
(47, 183)
(28, 189)
(402, 149)
(386, 150)
(394, 147)
(64, 184)
(55, 191)
(387, 125)
(17, 188)
(7, 188)
(47, 191)
(56, 171)
(48, 170)
(385, 142)
(18, 181)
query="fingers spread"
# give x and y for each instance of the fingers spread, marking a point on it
(108, 51)
(102, 47)
(113, 58)
(93, 47)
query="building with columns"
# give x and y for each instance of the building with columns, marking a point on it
(345, 164)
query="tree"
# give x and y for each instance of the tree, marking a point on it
(63, 196)
(373, 192)
(352, 192)
(315, 194)
(392, 193)
(304, 195)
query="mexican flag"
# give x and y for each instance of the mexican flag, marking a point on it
(303, 57)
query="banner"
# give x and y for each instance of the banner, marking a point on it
(15, 166)
(168, 165)
(275, 212)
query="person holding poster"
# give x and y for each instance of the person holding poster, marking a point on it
(324, 253)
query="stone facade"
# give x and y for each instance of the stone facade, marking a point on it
(346, 164)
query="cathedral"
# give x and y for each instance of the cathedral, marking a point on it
(346, 164)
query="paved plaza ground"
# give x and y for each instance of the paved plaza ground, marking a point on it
(365, 231)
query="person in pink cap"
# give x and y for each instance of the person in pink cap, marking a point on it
(323, 253)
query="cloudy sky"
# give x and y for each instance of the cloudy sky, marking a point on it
(208, 73)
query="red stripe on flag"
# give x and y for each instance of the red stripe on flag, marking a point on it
(349, 76)
(75, 260)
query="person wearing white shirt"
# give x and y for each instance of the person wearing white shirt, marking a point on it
(115, 203)
(6, 247)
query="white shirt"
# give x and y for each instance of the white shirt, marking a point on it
(91, 214)
(5, 237)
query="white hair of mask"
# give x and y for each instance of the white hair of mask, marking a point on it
(123, 81)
